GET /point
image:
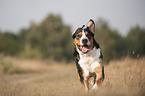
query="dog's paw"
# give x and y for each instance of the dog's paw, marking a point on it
(94, 88)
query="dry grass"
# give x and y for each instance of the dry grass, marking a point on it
(48, 78)
(125, 78)
(12, 65)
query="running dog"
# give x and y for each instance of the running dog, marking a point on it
(88, 56)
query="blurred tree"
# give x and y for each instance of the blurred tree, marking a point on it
(110, 40)
(9, 43)
(51, 37)
(136, 41)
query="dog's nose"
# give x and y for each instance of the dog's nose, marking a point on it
(84, 41)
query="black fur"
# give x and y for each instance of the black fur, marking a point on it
(76, 54)
(80, 71)
(88, 30)
(77, 31)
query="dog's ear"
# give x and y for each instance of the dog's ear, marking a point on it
(77, 30)
(91, 25)
(73, 34)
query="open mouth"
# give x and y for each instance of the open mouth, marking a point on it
(84, 48)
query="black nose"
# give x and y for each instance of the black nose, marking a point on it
(84, 41)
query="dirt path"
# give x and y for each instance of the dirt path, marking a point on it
(24, 78)
(29, 79)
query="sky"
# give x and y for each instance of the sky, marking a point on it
(120, 14)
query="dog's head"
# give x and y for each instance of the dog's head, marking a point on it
(83, 37)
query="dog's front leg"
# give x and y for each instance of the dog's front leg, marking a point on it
(86, 83)
(99, 71)
(86, 79)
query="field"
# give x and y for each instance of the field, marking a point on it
(21, 77)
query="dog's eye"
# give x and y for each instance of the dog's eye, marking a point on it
(79, 36)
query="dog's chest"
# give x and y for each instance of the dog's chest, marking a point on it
(86, 60)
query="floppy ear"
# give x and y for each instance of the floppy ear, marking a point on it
(73, 34)
(91, 25)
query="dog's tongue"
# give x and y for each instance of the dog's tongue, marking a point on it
(86, 48)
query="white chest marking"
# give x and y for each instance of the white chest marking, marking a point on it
(90, 60)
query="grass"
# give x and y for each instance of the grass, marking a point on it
(12, 65)
(125, 77)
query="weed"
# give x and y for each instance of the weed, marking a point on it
(6, 65)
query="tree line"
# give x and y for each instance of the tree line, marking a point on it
(51, 38)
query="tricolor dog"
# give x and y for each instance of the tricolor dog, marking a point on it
(88, 56)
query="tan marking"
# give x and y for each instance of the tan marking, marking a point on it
(77, 41)
(86, 33)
